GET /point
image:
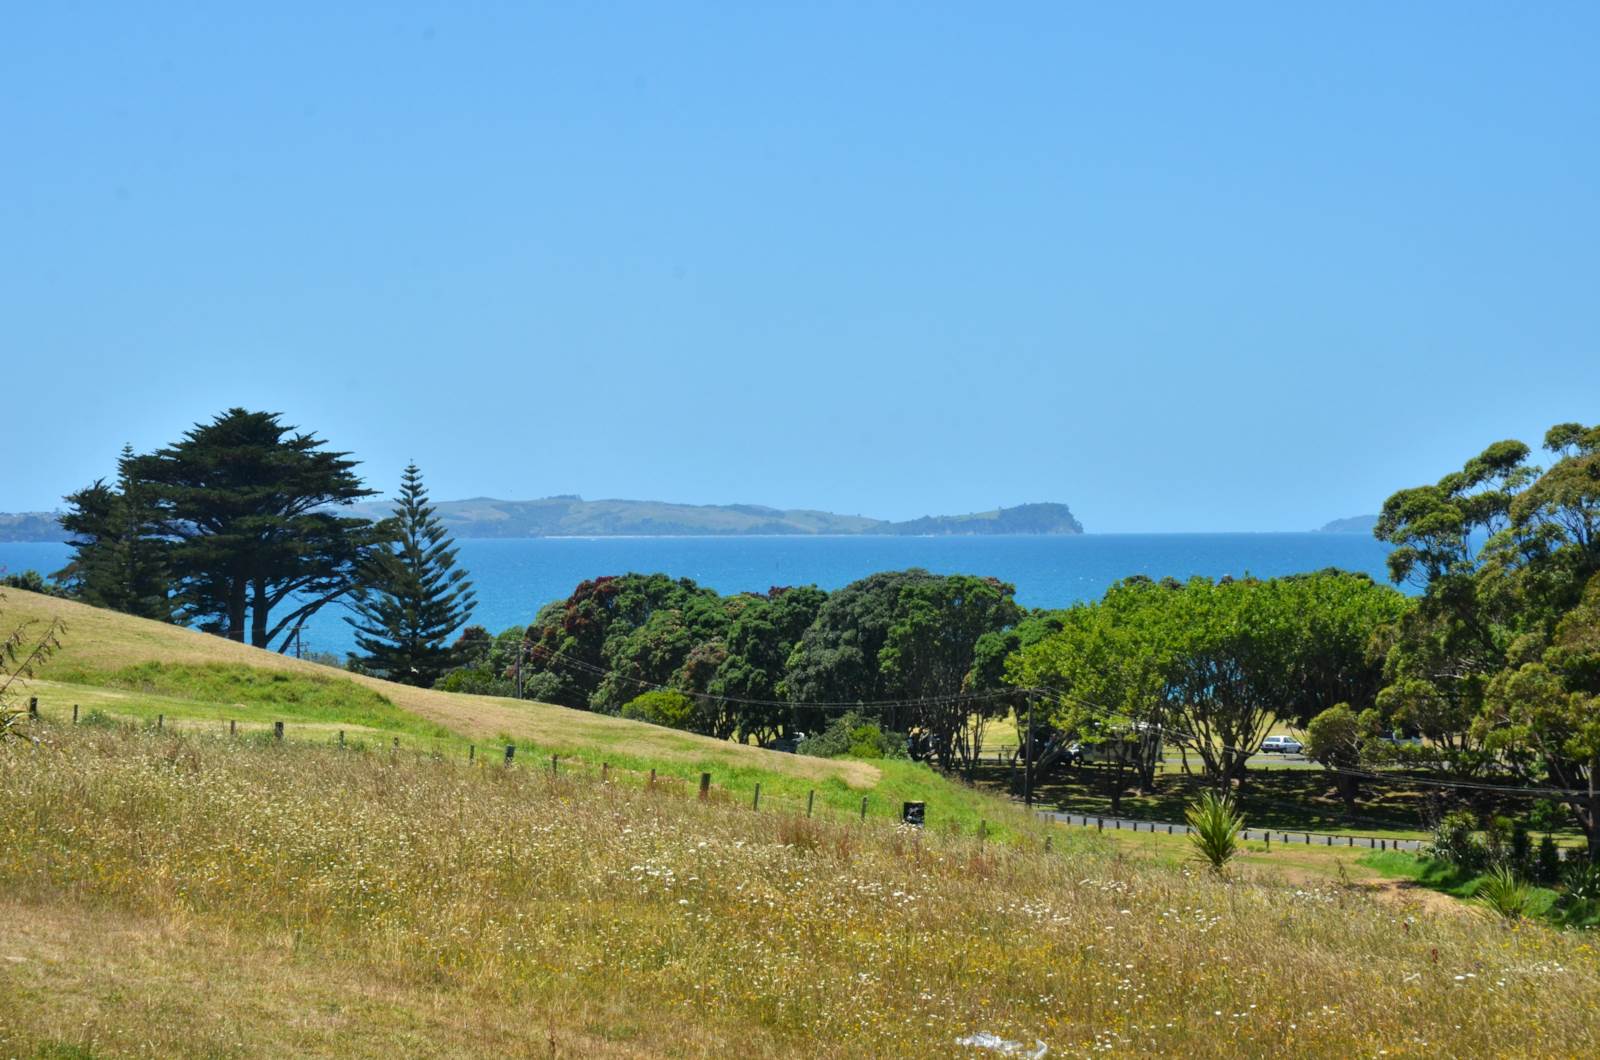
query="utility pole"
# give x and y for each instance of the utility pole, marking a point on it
(1027, 772)
(520, 645)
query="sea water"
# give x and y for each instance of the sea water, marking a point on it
(515, 577)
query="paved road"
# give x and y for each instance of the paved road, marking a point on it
(1317, 839)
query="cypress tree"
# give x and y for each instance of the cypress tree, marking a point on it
(248, 507)
(414, 596)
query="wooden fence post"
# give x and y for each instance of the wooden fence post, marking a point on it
(554, 766)
(233, 726)
(33, 707)
(705, 785)
(74, 713)
(341, 739)
(863, 808)
(1269, 842)
(983, 829)
(277, 730)
(472, 751)
(605, 772)
(755, 803)
(1099, 824)
(810, 798)
(511, 752)
(1047, 843)
(161, 720)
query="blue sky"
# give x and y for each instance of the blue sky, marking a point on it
(1185, 268)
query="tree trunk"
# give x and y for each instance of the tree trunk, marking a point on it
(259, 611)
(1349, 787)
(237, 595)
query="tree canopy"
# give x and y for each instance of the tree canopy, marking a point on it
(412, 596)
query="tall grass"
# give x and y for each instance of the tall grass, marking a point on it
(375, 904)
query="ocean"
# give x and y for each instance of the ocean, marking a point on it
(514, 578)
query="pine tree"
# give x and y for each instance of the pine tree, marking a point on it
(414, 597)
(119, 558)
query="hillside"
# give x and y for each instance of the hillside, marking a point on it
(575, 517)
(187, 894)
(133, 668)
(31, 526)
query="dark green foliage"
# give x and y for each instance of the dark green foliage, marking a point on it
(1339, 738)
(615, 637)
(745, 659)
(1211, 663)
(1582, 880)
(1547, 863)
(662, 707)
(906, 635)
(34, 582)
(1455, 842)
(413, 596)
(760, 638)
(855, 736)
(1499, 665)
(252, 547)
(120, 558)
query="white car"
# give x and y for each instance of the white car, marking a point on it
(1281, 745)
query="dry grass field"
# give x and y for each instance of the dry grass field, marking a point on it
(183, 894)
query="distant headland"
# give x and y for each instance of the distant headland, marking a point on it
(1355, 524)
(572, 516)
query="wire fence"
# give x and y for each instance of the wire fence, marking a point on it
(1267, 835)
(556, 766)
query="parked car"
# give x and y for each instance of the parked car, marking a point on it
(1281, 745)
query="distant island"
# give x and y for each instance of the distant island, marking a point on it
(572, 516)
(31, 526)
(1355, 524)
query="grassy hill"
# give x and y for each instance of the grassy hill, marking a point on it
(135, 669)
(183, 893)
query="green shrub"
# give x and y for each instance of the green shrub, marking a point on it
(1547, 816)
(1454, 842)
(1582, 881)
(853, 735)
(662, 707)
(1503, 895)
(475, 680)
(1216, 826)
(1547, 865)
